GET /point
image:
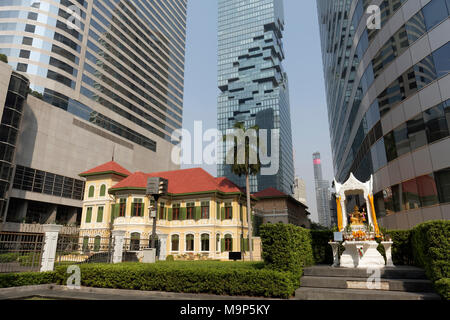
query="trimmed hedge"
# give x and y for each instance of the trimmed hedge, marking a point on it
(8, 280)
(186, 277)
(9, 257)
(431, 248)
(402, 248)
(442, 287)
(286, 247)
(323, 254)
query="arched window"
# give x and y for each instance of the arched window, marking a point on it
(190, 242)
(175, 242)
(135, 241)
(205, 242)
(97, 242)
(102, 190)
(228, 243)
(91, 191)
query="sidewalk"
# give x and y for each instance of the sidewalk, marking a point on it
(59, 292)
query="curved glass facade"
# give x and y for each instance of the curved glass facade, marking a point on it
(9, 130)
(253, 84)
(121, 61)
(375, 77)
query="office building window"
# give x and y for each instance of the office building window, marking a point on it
(443, 185)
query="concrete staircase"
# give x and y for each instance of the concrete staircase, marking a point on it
(396, 283)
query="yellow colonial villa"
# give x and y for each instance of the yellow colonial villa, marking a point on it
(201, 216)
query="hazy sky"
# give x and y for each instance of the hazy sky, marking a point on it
(303, 65)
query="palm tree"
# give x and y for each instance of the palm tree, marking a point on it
(247, 169)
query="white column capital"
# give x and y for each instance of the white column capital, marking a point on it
(119, 233)
(52, 228)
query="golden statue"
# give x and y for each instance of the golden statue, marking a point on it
(357, 218)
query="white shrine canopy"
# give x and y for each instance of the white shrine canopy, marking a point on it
(351, 187)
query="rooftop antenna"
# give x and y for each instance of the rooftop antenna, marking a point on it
(114, 149)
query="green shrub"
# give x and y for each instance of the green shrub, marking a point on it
(26, 279)
(431, 248)
(189, 277)
(323, 254)
(170, 258)
(30, 260)
(286, 247)
(442, 287)
(9, 257)
(402, 248)
(3, 58)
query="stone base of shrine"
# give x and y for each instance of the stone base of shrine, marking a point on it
(361, 254)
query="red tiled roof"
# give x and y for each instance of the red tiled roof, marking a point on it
(181, 181)
(270, 192)
(109, 167)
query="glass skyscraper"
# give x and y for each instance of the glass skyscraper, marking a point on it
(323, 195)
(388, 94)
(117, 64)
(106, 81)
(253, 85)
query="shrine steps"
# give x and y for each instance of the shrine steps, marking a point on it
(397, 283)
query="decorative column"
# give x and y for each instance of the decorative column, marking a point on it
(162, 247)
(344, 213)
(118, 240)
(50, 244)
(388, 249)
(369, 211)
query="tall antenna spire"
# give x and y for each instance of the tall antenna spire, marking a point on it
(114, 149)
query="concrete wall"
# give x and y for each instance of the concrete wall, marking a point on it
(5, 72)
(53, 140)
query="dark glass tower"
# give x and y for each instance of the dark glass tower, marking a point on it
(388, 103)
(253, 84)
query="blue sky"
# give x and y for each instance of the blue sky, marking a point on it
(303, 65)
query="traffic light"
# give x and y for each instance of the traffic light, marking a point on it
(157, 186)
(163, 186)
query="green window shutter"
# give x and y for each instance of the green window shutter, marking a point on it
(91, 191)
(114, 211)
(142, 210)
(97, 241)
(246, 244)
(85, 243)
(133, 205)
(222, 217)
(198, 213)
(166, 214)
(183, 213)
(222, 243)
(102, 190)
(100, 214)
(170, 216)
(241, 210)
(89, 215)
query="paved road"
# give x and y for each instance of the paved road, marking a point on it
(85, 293)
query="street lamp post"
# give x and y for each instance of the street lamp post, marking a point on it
(153, 213)
(156, 187)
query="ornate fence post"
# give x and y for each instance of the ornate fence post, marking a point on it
(50, 244)
(119, 237)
